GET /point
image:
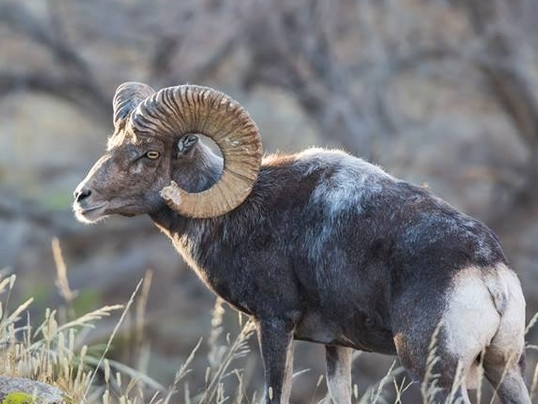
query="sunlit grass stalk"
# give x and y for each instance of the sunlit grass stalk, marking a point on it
(111, 338)
(140, 315)
(400, 389)
(374, 393)
(181, 373)
(61, 282)
(534, 381)
(235, 350)
(459, 380)
(509, 363)
(429, 388)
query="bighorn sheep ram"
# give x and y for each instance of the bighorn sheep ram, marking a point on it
(318, 246)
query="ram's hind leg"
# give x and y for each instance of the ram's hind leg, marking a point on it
(508, 383)
(437, 371)
(425, 345)
(339, 373)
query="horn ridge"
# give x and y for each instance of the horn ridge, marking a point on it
(176, 111)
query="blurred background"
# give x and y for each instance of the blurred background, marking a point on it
(438, 92)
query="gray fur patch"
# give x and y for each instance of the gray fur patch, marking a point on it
(350, 181)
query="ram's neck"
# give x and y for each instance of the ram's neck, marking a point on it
(188, 236)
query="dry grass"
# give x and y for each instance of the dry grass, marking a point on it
(56, 352)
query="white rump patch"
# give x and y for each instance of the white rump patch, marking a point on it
(471, 318)
(485, 311)
(509, 341)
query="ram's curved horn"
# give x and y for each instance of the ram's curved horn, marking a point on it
(176, 111)
(128, 96)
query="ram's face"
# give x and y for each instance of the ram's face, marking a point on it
(134, 176)
(125, 181)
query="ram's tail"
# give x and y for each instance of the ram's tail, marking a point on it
(499, 282)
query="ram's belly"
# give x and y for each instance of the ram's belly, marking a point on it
(349, 331)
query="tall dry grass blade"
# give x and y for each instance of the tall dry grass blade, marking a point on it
(531, 323)
(400, 389)
(11, 282)
(4, 283)
(429, 387)
(141, 306)
(300, 373)
(374, 392)
(534, 382)
(126, 370)
(87, 319)
(155, 399)
(381, 385)
(236, 349)
(216, 351)
(61, 282)
(457, 383)
(318, 383)
(242, 394)
(181, 373)
(111, 338)
(509, 363)
(15, 315)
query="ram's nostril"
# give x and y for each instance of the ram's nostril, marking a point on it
(82, 194)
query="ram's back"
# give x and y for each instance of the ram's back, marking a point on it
(355, 233)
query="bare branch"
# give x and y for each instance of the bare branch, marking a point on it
(75, 83)
(74, 91)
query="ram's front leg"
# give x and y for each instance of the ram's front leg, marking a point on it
(276, 344)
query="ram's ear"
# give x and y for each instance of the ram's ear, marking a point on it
(186, 144)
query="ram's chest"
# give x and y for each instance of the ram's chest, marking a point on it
(187, 249)
(214, 269)
(191, 252)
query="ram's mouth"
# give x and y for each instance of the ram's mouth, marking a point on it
(90, 214)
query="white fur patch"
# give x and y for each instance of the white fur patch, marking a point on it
(348, 183)
(508, 343)
(485, 310)
(471, 318)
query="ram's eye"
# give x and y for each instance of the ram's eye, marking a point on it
(152, 154)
